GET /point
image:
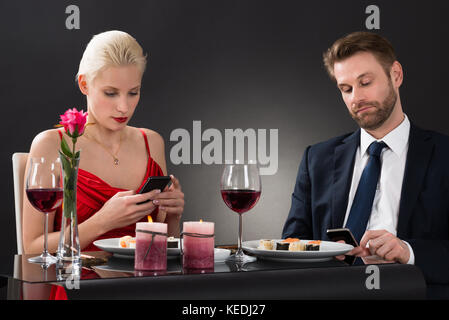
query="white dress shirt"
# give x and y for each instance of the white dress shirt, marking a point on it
(385, 212)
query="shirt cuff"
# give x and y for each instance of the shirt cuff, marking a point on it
(411, 260)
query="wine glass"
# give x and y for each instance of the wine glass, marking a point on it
(240, 190)
(44, 191)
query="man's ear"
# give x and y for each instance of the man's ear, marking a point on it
(396, 74)
(82, 83)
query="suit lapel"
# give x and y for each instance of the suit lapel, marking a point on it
(344, 156)
(419, 153)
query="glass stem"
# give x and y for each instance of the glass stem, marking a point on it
(45, 234)
(240, 250)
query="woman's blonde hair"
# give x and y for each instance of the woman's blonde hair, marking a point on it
(110, 48)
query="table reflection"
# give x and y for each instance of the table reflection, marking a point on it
(105, 265)
(31, 281)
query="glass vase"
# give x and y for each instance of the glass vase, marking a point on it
(69, 253)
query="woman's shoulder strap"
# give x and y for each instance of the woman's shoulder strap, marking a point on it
(146, 140)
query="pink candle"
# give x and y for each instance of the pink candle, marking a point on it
(156, 257)
(198, 252)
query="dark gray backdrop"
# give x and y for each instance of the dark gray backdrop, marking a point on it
(231, 64)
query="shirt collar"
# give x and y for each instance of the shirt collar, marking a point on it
(396, 140)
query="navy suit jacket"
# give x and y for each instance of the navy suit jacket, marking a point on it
(320, 196)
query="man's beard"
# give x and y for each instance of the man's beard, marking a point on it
(372, 120)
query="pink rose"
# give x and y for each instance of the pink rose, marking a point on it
(74, 122)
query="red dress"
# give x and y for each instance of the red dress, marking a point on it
(92, 194)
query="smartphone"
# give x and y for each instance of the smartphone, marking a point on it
(153, 183)
(346, 235)
(342, 234)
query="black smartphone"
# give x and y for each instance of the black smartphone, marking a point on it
(153, 183)
(346, 235)
(342, 234)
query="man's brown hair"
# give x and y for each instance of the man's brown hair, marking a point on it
(356, 42)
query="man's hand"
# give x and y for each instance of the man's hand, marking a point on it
(387, 247)
(384, 245)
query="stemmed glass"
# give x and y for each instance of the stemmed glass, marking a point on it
(240, 190)
(44, 191)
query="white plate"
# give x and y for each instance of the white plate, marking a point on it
(220, 255)
(112, 245)
(327, 251)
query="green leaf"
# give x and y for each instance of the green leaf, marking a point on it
(69, 166)
(65, 148)
(66, 163)
(71, 183)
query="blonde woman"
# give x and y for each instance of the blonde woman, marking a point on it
(116, 158)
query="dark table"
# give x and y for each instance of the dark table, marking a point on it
(262, 279)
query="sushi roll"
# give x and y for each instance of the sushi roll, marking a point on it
(282, 245)
(313, 245)
(125, 242)
(172, 243)
(265, 244)
(132, 243)
(296, 246)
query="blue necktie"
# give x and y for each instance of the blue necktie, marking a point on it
(366, 190)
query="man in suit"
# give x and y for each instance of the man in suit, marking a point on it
(388, 182)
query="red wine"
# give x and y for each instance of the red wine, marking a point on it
(240, 200)
(45, 200)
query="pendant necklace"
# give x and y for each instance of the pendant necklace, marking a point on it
(114, 156)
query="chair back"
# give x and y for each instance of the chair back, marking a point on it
(19, 160)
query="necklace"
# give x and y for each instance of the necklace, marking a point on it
(114, 156)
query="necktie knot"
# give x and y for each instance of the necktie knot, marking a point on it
(375, 148)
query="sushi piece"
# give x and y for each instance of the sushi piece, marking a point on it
(313, 245)
(172, 242)
(265, 244)
(127, 242)
(284, 244)
(132, 243)
(296, 246)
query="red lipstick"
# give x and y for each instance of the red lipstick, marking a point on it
(121, 119)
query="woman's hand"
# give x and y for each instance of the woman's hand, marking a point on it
(170, 202)
(123, 209)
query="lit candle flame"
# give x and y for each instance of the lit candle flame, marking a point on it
(201, 220)
(150, 219)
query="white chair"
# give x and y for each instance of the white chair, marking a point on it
(19, 160)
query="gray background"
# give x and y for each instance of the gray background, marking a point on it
(231, 64)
